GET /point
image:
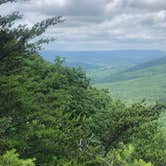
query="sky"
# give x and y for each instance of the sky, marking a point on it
(98, 24)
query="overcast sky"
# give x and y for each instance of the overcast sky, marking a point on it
(99, 24)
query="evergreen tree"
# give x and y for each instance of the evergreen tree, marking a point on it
(50, 112)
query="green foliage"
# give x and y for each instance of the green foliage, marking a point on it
(147, 82)
(124, 156)
(50, 112)
(11, 158)
(18, 40)
(47, 109)
(152, 147)
(121, 123)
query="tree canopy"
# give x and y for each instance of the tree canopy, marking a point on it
(51, 115)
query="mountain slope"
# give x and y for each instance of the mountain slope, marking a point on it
(147, 80)
(115, 60)
(147, 69)
(156, 62)
(129, 74)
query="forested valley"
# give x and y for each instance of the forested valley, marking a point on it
(50, 115)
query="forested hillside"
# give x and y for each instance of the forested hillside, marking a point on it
(130, 75)
(50, 114)
(145, 81)
(105, 62)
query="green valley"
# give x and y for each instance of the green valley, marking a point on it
(145, 81)
(130, 75)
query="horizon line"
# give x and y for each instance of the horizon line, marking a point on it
(102, 50)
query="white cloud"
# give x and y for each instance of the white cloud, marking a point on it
(100, 24)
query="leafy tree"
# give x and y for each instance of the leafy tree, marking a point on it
(150, 144)
(51, 112)
(124, 156)
(11, 158)
(47, 112)
(16, 42)
(122, 124)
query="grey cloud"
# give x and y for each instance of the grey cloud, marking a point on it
(151, 5)
(67, 7)
(101, 23)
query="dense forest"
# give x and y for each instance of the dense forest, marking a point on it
(129, 75)
(51, 115)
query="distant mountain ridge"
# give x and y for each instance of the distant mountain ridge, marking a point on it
(134, 55)
(117, 59)
(159, 61)
(153, 67)
(147, 80)
(129, 74)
